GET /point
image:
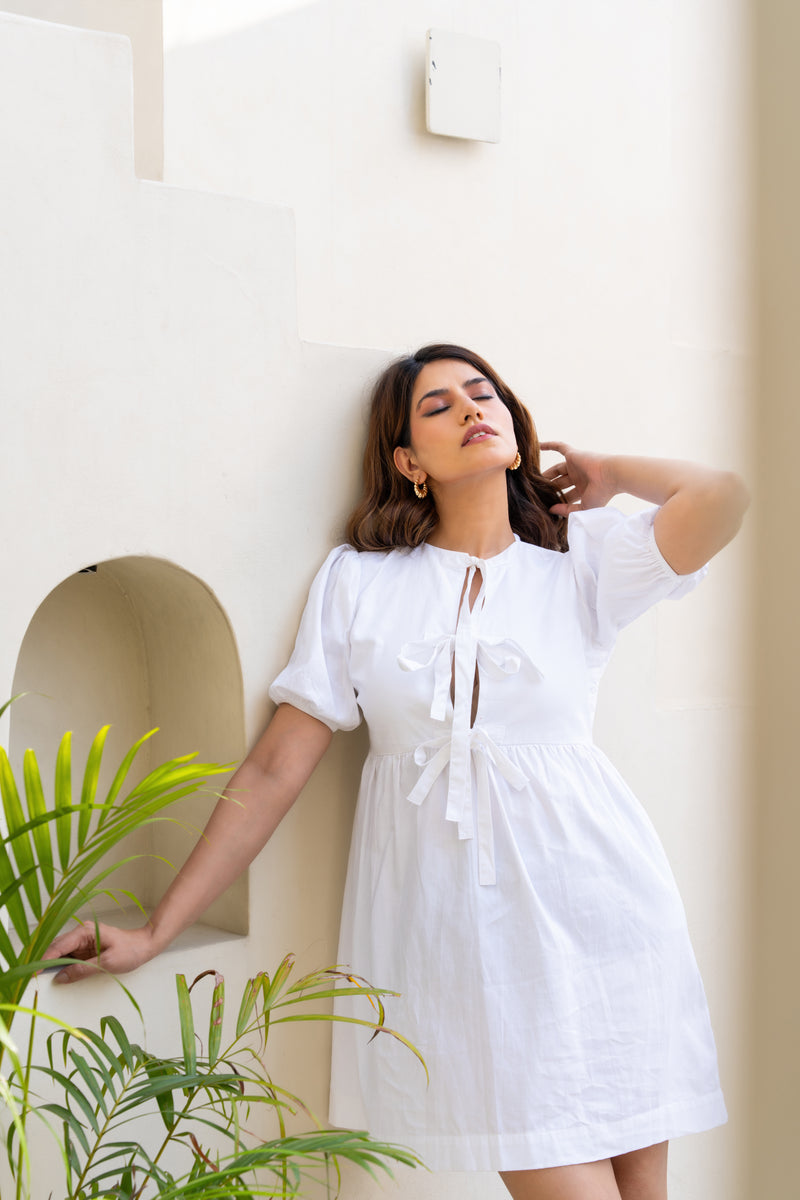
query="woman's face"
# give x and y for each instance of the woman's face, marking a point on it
(460, 428)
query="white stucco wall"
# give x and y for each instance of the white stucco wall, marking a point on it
(140, 21)
(157, 401)
(597, 256)
(157, 398)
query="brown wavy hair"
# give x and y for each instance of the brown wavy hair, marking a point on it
(389, 516)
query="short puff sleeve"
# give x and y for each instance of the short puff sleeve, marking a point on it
(619, 568)
(317, 679)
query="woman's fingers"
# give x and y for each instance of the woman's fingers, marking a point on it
(569, 494)
(101, 948)
(79, 942)
(78, 970)
(84, 942)
(554, 472)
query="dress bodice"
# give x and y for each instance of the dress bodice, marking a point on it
(386, 635)
(410, 649)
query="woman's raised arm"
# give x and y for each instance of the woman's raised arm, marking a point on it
(700, 508)
(258, 795)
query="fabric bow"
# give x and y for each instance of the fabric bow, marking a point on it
(495, 658)
(480, 749)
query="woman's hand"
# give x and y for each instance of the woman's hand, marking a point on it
(583, 478)
(699, 508)
(101, 948)
(257, 797)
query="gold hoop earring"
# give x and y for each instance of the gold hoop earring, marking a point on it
(420, 489)
(516, 462)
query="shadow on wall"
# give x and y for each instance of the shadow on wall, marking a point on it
(135, 643)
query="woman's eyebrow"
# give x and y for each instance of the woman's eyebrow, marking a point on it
(445, 391)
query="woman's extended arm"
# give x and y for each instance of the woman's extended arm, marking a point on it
(258, 795)
(700, 508)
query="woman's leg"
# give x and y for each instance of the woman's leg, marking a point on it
(642, 1174)
(583, 1181)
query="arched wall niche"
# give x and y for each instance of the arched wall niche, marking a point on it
(136, 643)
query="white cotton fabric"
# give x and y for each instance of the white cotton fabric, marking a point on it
(503, 878)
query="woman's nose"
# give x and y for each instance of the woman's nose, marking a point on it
(471, 408)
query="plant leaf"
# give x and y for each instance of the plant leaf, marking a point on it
(119, 778)
(89, 789)
(9, 886)
(187, 1025)
(215, 1020)
(63, 799)
(89, 1076)
(73, 1162)
(114, 1063)
(157, 1069)
(19, 841)
(37, 1012)
(71, 1121)
(272, 990)
(249, 997)
(3, 707)
(7, 953)
(74, 1092)
(356, 1021)
(37, 808)
(127, 1049)
(15, 888)
(15, 1113)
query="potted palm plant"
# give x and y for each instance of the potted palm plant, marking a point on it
(92, 1085)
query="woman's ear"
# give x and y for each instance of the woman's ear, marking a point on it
(407, 465)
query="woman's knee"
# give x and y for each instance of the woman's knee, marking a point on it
(642, 1174)
(580, 1181)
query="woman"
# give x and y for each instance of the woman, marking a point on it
(502, 877)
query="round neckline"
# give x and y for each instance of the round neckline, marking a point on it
(462, 557)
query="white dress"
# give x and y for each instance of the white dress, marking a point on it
(502, 876)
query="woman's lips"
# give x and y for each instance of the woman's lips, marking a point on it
(477, 431)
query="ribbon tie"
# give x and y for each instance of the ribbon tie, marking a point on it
(496, 658)
(416, 655)
(480, 749)
(454, 658)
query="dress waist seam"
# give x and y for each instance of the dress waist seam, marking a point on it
(404, 751)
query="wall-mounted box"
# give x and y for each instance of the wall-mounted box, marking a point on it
(463, 86)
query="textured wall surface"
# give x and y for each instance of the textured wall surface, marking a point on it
(158, 399)
(140, 21)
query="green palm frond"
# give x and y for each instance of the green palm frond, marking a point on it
(91, 777)
(63, 800)
(42, 891)
(37, 813)
(104, 1081)
(54, 859)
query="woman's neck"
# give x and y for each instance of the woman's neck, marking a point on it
(473, 517)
